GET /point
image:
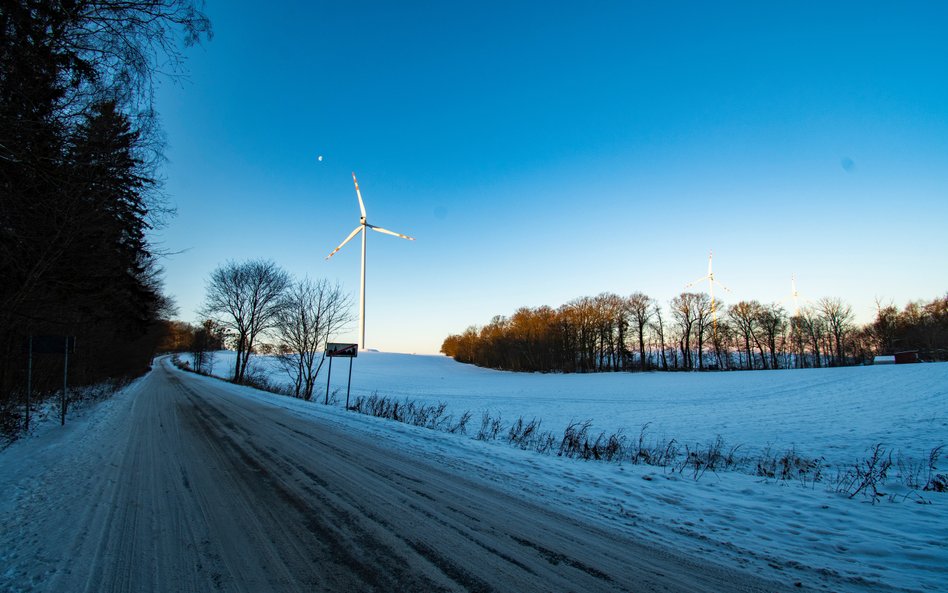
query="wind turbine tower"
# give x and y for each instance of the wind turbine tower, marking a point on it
(794, 295)
(363, 225)
(711, 282)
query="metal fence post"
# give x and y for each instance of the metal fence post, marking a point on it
(349, 385)
(328, 375)
(62, 420)
(29, 382)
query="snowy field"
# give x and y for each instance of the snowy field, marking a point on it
(837, 414)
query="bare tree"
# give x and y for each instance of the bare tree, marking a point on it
(812, 331)
(313, 311)
(883, 328)
(609, 320)
(246, 298)
(580, 328)
(588, 334)
(120, 47)
(704, 317)
(659, 326)
(204, 340)
(641, 307)
(744, 316)
(689, 309)
(773, 324)
(838, 317)
(797, 339)
(723, 341)
(532, 334)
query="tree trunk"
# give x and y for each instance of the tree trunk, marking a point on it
(643, 364)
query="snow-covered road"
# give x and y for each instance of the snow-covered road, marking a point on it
(184, 485)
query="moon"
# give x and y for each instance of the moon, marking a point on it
(319, 158)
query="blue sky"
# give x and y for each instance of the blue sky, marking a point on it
(542, 151)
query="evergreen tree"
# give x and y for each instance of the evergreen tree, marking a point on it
(75, 194)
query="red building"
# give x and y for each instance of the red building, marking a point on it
(909, 356)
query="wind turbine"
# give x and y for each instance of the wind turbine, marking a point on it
(363, 225)
(794, 295)
(711, 283)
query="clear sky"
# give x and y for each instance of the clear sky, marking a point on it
(542, 151)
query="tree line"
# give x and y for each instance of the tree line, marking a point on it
(609, 332)
(249, 302)
(79, 184)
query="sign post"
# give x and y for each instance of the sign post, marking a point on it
(349, 351)
(49, 345)
(349, 384)
(328, 376)
(29, 383)
(62, 415)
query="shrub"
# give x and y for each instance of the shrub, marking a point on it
(490, 427)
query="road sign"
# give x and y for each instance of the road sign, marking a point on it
(349, 351)
(342, 350)
(49, 345)
(53, 344)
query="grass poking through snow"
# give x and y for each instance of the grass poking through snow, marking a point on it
(867, 477)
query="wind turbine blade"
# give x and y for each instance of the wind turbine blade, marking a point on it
(702, 279)
(710, 255)
(388, 232)
(359, 195)
(722, 286)
(349, 238)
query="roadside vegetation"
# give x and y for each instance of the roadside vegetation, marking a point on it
(256, 307)
(47, 411)
(868, 477)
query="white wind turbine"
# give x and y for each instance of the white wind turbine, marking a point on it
(795, 295)
(363, 225)
(711, 282)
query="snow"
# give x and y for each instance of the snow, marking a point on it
(764, 525)
(835, 413)
(44, 477)
(781, 530)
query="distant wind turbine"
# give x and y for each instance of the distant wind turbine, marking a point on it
(711, 282)
(363, 225)
(795, 295)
